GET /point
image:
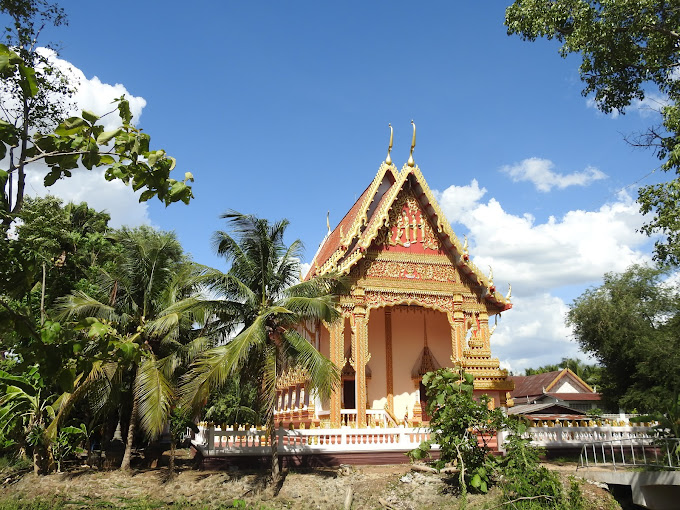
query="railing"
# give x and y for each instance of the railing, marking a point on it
(577, 436)
(374, 418)
(631, 452)
(213, 441)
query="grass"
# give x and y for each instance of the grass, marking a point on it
(129, 504)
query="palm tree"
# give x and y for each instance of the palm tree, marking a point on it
(262, 303)
(153, 302)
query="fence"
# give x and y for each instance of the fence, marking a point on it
(215, 441)
(654, 452)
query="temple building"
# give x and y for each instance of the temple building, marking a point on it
(416, 303)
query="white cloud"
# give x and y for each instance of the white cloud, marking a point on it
(650, 105)
(114, 197)
(540, 259)
(540, 173)
(575, 249)
(533, 333)
(119, 200)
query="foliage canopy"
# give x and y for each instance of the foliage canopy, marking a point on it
(629, 49)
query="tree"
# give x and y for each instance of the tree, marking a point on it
(147, 306)
(629, 48)
(262, 304)
(34, 127)
(590, 373)
(457, 425)
(630, 325)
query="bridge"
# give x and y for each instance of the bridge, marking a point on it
(650, 466)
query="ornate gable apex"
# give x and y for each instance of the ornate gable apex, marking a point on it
(342, 239)
(447, 238)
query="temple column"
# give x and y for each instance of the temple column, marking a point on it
(484, 329)
(388, 359)
(360, 359)
(337, 340)
(457, 329)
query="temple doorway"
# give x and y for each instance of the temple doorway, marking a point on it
(423, 402)
(349, 394)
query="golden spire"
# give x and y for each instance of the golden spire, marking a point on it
(509, 292)
(490, 276)
(411, 162)
(388, 159)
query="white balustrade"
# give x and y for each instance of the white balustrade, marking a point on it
(213, 441)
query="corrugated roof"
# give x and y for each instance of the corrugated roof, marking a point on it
(532, 385)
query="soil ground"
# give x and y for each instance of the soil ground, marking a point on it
(392, 487)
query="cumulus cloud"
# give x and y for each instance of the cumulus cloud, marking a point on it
(533, 333)
(541, 259)
(577, 248)
(649, 106)
(541, 174)
(119, 200)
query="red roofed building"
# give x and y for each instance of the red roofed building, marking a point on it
(561, 386)
(416, 303)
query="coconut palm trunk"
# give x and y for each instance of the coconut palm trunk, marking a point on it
(274, 440)
(132, 428)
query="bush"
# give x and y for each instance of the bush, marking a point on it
(458, 420)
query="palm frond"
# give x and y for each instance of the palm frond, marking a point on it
(155, 395)
(212, 368)
(324, 376)
(78, 304)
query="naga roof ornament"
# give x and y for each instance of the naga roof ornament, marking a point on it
(411, 161)
(388, 159)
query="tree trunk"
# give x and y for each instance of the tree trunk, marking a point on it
(125, 465)
(37, 463)
(274, 439)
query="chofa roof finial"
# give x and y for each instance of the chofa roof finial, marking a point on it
(388, 159)
(328, 221)
(411, 162)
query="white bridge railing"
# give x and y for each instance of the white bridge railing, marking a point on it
(578, 436)
(215, 441)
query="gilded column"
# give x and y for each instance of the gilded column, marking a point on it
(337, 341)
(388, 359)
(484, 327)
(457, 329)
(360, 358)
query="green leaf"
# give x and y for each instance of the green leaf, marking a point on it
(90, 117)
(71, 126)
(107, 136)
(28, 83)
(476, 481)
(97, 329)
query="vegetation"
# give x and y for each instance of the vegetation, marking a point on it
(589, 373)
(261, 302)
(629, 51)
(458, 423)
(150, 305)
(629, 324)
(462, 425)
(35, 126)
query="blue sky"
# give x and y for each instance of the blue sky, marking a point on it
(280, 109)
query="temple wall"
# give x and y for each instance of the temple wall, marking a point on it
(377, 384)
(407, 344)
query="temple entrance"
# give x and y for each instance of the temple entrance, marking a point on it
(423, 402)
(349, 394)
